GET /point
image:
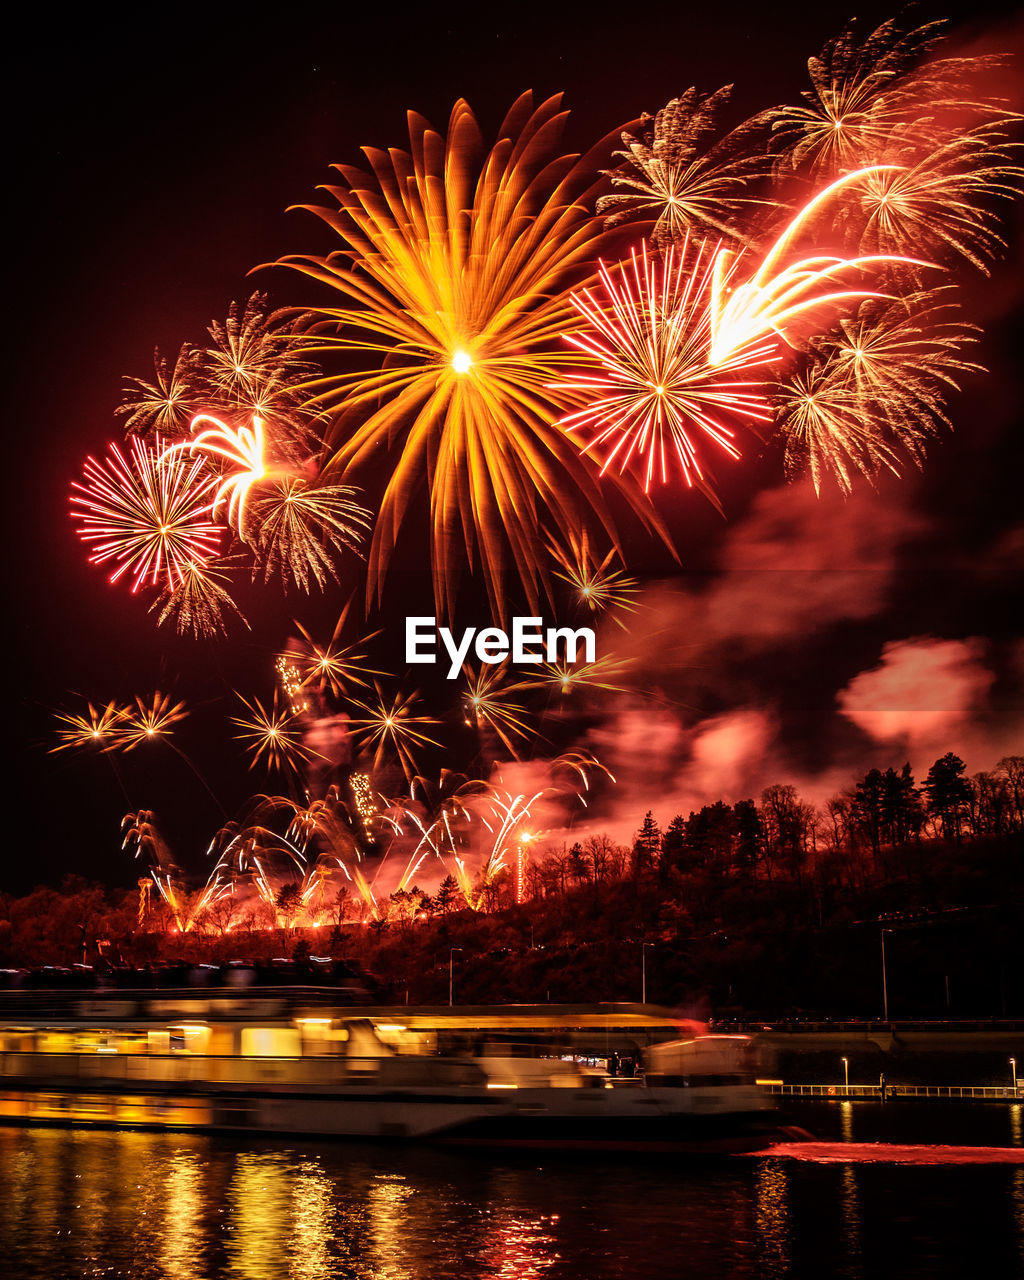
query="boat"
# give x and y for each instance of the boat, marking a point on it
(294, 1062)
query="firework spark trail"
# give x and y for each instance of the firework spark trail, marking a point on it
(242, 448)
(649, 384)
(775, 296)
(149, 513)
(462, 260)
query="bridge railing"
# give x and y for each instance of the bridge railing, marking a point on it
(839, 1092)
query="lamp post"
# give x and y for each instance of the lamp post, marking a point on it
(643, 971)
(1013, 1069)
(846, 1077)
(885, 984)
(451, 975)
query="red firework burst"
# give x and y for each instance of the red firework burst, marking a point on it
(649, 387)
(149, 513)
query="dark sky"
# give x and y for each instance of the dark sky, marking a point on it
(151, 168)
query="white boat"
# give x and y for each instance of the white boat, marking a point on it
(290, 1063)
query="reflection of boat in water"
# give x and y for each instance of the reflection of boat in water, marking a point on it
(290, 1062)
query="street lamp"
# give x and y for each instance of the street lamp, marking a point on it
(643, 971)
(1013, 1068)
(846, 1077)
(451, 975)
(885, 985)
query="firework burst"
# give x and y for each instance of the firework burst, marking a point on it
(393, 726)
(939, 202)
(148, 513)
(596, 584)
(150, 720)
(301, 528)
(874, 389)
(269, 735)
(671, 177)
(567, 677)
(166, 405)
(95, 727)
(650, 388)
(336, 666)
(197, 603)
(461, 263)
(487, 706)
(866, 92)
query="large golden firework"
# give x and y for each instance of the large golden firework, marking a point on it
(669, 176)
(457, 262)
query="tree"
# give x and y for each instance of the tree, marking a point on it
(288, 902)
(749, 835)
(948, 793)
(788, 827)
(1012, 769)
(646, 846)
(448, 895)
(342, 908)
(673, 844)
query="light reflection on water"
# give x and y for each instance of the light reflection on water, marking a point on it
(193, 1207)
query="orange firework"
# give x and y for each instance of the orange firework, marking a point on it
(393, 725)
(269, 734)
(151, 720)
(486, 704)
(336, 666)
(455, 270)
(96, 727)
(598, 586)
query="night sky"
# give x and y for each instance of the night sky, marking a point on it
(152, 167)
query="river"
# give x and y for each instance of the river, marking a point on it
(884, 1192)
